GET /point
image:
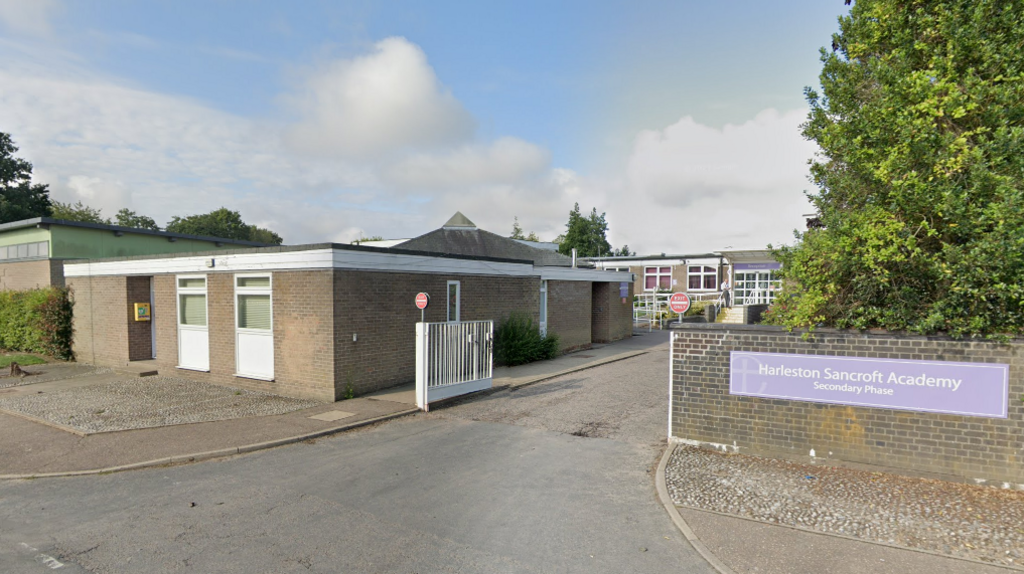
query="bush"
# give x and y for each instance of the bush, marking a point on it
(37, 321)
(517, 341)
(696, 308)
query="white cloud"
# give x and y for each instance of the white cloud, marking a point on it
(28, 17)
(692, 188)
(506, 161)
(389, 100)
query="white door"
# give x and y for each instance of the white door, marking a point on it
(254, 327)
(193, 331)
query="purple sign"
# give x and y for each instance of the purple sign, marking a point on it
(975, 389)
(623, 290)
(757, 266)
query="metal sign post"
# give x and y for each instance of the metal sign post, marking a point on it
(679, 303)
(422, 300)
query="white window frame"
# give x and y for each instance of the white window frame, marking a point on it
(458, 301)
(205, 292)
(702, 274)
(268, 290)
(657, 275)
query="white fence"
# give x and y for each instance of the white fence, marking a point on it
(453, 359)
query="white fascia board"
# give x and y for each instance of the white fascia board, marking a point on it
(591, 275)
(328, 258)
(311, 259)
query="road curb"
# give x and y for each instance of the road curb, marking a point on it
(211, 454)
(677, 519)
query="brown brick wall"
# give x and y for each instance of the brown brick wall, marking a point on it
(611, 318)
(140, 334)
(958, 446)
(21, 275)
(100, 313)
(569, 313)
(378, 307)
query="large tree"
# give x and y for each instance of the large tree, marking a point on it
(921, 173)
(585, 233)
(222, 223)
(19, 197)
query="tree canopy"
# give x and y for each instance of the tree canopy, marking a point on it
(920, 175)
(19, 197)
(586, 234)
(78, 211)
(128, 218)
(222, 223)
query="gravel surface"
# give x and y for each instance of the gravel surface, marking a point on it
(982, 523)
(50, 372)
(149, 402)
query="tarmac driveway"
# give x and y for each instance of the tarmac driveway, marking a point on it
(556, 479)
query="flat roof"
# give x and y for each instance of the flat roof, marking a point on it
(656, 256)
(47, 221)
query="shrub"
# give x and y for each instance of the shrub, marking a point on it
(517, 341)
(37, 321)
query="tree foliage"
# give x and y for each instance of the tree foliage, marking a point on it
(78, 211)
(128, 218)
(586, 234)
(517, 232)
(623, 252)
(222, 223)
(19, 197)
(920, 175)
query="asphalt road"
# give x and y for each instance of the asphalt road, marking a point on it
(557, 477)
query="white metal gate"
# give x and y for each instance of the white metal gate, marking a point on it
(452, 359)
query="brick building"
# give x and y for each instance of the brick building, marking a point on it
(33, 251)
(319, 320)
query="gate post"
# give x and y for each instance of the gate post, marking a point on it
(421, 366)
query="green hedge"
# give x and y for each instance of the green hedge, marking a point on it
(37, 321)
(517, 340)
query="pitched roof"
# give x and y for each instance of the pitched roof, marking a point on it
(461, 237)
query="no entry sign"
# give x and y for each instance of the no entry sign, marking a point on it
(679, 302)
(422, 300)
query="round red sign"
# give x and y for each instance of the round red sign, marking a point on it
(679, 302)
(422, 300)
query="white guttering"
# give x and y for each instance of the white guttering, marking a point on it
(328, 258)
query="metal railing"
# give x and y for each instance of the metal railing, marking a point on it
(650, 309)
(453, 359)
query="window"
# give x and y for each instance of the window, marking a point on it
(657, 278)
(454, 289)
(701, 278)
(36, 250)
(192, 301)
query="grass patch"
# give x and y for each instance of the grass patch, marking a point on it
(6, 360)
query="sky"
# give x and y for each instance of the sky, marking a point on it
(331, 121)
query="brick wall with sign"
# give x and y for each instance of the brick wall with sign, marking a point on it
(944, 445)
(140, 335)
(379, 309)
